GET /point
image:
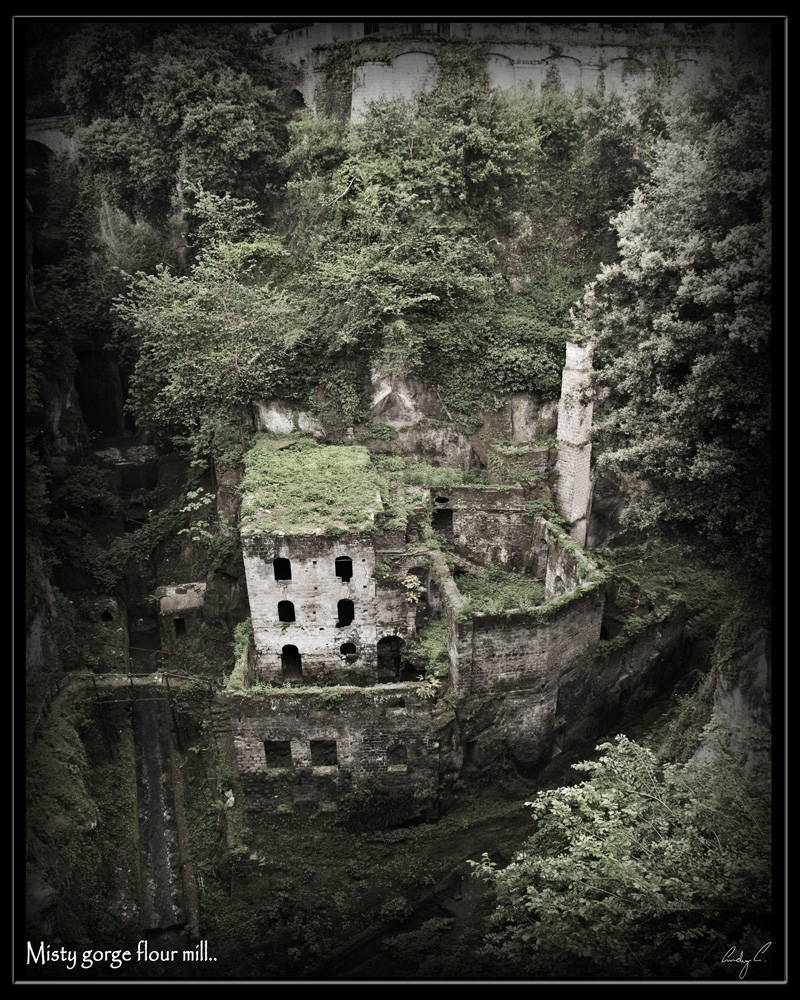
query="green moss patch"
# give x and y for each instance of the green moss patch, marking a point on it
(309, 489)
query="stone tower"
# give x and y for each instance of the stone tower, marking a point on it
(573, 487)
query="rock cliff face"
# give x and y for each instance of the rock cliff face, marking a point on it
(743, 691)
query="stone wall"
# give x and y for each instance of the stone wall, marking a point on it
(314, 591)
(569, 709)
(573, 486)
(488, 526)
(303, 750)
(518, 650)
(521, 57)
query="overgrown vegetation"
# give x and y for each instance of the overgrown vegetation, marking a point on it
(82, 828)
(496, 591)
(309, 488)
(643, 870)
(682, 326)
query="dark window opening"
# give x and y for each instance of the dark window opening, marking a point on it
(107, 616)
(428, 28)
(180, 626)
(346, 613)
(349, 651)
(396, 703)
(411, 673)
(397, 754)
(604, 632)
(442, 499)
(291, 663)
(442, 521)
(372, 27)
(283, 569)
(344, 568)
(323, 753)
(389, 656)
(285, 611)
(278, 753)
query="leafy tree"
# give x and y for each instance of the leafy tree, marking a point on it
(610, 159)
(681, 325)
(166, 102)
(204, 343)
(393, 221)
(642, 871)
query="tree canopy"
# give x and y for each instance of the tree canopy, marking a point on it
(682, 324)
(644, 870)
(165, 102)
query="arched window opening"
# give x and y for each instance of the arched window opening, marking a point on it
(346, 613)
(349, 651)
(442, 499)
(389, 657)
(285, 611)
(106, 616)
(282, 568)
(344, 568)
(291, 663)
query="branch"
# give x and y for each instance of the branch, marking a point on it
(329, 203)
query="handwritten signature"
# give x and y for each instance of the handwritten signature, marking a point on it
(745, 962)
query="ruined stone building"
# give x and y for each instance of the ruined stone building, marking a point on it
(333, 700)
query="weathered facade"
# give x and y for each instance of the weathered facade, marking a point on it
(345, 711)
(303, 750)
(401, 60)
(319, 610)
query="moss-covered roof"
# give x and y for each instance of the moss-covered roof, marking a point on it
(307, 488)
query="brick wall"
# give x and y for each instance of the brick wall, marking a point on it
(377, 737)
(314, 591)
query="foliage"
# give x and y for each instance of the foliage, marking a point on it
(657, 568)
(166, 101)
(428, 688)
(432, 647)
(610, 156)
(682, 326)
(308, 488)
(641, 871)
(544, 509)
(413, 588)
(206, 342)
(433, 477)
(497, 591)
(377, 807)
(394, 219)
